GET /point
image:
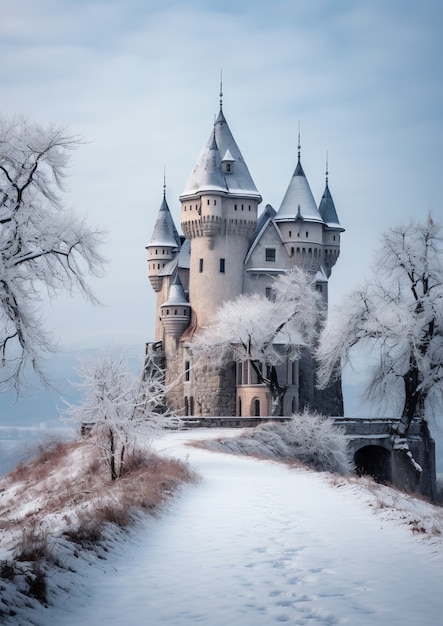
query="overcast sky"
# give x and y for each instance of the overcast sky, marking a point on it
(139, 81)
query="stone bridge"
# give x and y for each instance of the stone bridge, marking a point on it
(372, 448)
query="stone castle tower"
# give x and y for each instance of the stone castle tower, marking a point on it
(228, 249)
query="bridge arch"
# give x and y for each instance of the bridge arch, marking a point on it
(374, 461)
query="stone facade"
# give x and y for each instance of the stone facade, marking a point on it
(229, 248)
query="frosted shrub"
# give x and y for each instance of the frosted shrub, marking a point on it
(307, 437)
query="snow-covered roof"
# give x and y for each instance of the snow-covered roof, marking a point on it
(327, 210)
(207, 174)
(165, 232)
(320, 276)
(177, 294)
(266, 270)
(298, 200)
(265, 220)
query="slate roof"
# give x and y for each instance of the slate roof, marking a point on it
(327, 210)
(208, 174)
(165, 232)
(298, 201)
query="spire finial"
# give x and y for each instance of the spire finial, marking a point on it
(221, 89)
(299, 144)
(327, 169)
(164, 180)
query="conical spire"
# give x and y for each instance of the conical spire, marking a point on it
(176, 293)
(165, 232)
(298, 202)
(208, 174)
(327, 206)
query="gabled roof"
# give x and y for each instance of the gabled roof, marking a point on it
(165, 232)
(207, 174)
(267, 215)
(327, 210)
(298, 201)
(266, 221)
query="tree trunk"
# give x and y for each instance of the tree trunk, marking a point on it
(414, 398)
(276, 390)
(112, 453)
(277, 393)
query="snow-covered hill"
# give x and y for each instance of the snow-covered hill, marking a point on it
(256, 542)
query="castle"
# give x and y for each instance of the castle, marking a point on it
(228, 249)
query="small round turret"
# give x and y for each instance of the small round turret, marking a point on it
(175, 313)
(165, 242)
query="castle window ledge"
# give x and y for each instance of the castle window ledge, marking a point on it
(265, 270)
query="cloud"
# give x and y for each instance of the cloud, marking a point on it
(139, 80)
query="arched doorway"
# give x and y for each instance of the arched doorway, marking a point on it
(374, 461)
(255, 407)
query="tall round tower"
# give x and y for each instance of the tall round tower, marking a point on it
(218, 215)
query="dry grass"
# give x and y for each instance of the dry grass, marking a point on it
(66, 493)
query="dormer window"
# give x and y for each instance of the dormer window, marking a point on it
(228, 163)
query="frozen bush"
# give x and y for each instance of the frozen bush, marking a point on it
(308, 437)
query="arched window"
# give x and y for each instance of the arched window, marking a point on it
(257, 407)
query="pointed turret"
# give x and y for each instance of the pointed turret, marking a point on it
(327, 209)
(164, 244)
(165, 232)
(219, 157)
(219, 216)
(176, 311)
(332, 228)
(298, 202)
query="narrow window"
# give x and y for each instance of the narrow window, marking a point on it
(319, 288)
(187, 371)
(292, 251)
(270, 254)
(207, 201)
(222, 266)
(186, 406)
(268, 293)
(239, 407)
(215, 202)
(257, 407)
(191, 405)
(293, 373)
(200, 265)
(235, 207)
(290, 233)
(307, 234)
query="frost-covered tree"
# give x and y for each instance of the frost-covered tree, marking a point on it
(44, 247)
(265, 332)
(117, 408)
(399, 313)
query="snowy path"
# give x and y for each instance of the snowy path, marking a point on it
(257, 544)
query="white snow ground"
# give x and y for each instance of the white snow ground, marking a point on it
(256, 543)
